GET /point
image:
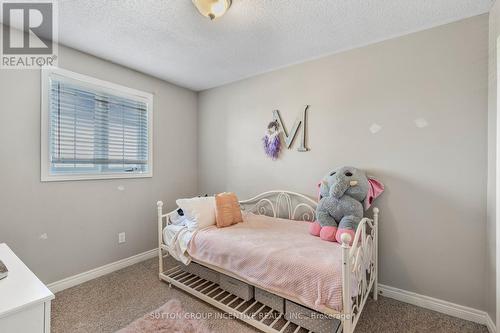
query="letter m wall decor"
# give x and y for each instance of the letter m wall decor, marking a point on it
(300, 120)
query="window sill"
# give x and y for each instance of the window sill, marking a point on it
(76, 177)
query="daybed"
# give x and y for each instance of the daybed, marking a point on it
(273, 252)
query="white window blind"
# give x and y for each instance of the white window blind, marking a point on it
(94, 130)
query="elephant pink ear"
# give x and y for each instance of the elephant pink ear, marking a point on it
(375, 189)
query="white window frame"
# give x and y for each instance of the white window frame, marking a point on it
(108, 87)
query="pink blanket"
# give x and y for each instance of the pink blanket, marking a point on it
(278, 255)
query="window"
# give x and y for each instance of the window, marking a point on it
(92, 129)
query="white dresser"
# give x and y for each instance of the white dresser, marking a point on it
(24, 299)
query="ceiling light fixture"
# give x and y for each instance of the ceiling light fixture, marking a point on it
(212, 8)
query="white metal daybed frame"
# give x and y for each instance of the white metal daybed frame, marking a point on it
(359, 261)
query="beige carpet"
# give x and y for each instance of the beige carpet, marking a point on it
(113, 301)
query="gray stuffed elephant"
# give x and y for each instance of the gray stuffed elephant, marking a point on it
(344, 194)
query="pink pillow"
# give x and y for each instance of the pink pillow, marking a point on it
(227, 210)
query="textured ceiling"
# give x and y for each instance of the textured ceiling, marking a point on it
(169, 39)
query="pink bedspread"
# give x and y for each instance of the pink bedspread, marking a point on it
(278, 255)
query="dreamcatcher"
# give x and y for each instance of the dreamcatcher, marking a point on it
(272, 141)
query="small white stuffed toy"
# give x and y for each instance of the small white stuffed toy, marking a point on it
(183, 220)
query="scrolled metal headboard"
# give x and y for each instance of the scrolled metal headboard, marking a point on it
(282, 204)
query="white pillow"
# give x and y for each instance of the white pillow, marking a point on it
(201, 209)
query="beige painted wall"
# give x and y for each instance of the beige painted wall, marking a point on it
(433, 214)
(494, 33)
(82, 218)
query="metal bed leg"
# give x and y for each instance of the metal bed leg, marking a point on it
(346, 284)
(159, 206)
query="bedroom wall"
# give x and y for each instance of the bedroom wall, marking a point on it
(491, 257)
(82, 218)
(433, 213)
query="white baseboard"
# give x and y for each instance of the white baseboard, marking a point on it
(438, 305)
(100, 271)
(490, 324)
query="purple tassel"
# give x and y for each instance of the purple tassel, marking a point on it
(272, 145)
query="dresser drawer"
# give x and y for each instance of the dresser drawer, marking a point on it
(30, 319)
